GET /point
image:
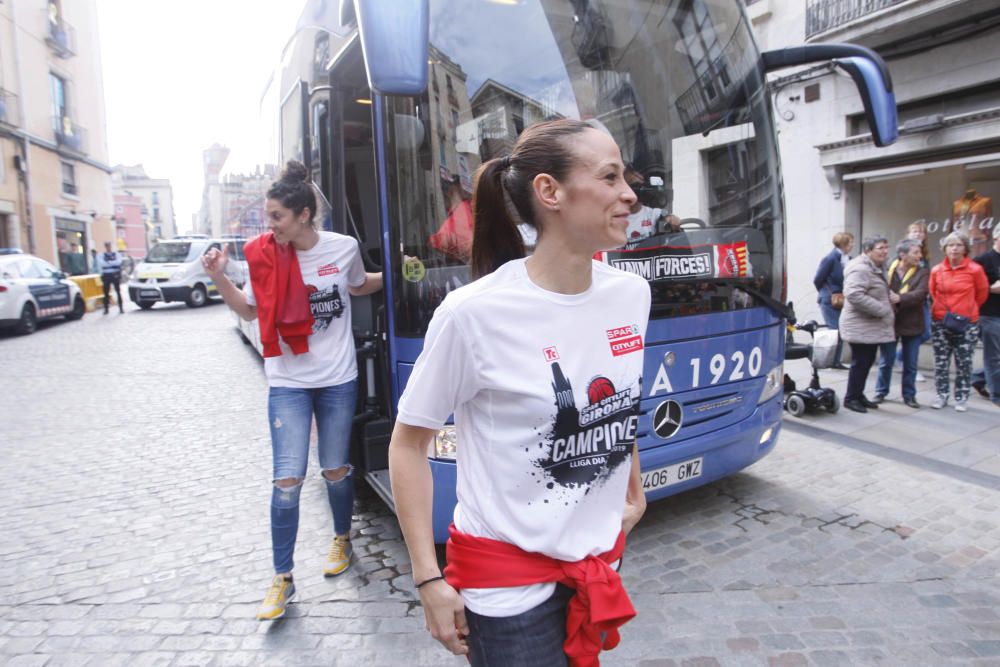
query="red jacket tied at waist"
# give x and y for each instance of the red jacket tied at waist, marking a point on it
(282, 300)
(960, 289)
(599, 605)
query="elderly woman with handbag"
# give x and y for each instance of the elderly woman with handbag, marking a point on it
(829, 282)
(958, 287)
(868, 318)
(907, 278)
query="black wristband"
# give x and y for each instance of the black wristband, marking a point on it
(427, 581)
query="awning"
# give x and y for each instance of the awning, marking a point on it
(899, 172)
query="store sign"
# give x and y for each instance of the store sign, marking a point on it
(70, 225)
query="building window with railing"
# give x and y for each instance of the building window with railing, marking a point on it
(68, 172)
(703, 49)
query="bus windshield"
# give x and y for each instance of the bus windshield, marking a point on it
(678, 85)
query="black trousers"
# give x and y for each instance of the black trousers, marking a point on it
(862, 358)
(109, 279)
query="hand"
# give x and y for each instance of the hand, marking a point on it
(215, 262)
(444, 612)
(893, 298)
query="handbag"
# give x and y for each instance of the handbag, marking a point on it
(837, 300)
(957, 324)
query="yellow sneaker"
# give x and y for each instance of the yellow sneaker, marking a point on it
(339, 558)
(281, 592)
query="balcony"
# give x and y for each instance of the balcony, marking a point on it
(823, 15)
(69, 135)
(8, 108)
(60, 36)
(884, 23)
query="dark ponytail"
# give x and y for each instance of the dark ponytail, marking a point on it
(543, 148)
(294, 190)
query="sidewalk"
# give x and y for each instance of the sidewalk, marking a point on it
(970, 440)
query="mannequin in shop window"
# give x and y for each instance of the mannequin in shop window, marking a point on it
(972, 210)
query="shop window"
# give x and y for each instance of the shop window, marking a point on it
(957, 197)
(68, 172)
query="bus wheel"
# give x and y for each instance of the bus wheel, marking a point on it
(146, 305)
(78, 309)
(198, 297)
(796, 406)
(28, 321)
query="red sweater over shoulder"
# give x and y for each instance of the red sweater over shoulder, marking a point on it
(600, 604)
(282, 300)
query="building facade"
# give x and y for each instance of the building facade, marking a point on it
(944, 170)
(157, 204)
(55, 182)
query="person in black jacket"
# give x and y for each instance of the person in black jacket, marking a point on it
(829, 280)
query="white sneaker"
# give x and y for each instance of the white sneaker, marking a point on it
(939, 402)
(920, 377)
(960, 406)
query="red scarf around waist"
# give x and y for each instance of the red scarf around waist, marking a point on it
(282, 301)
(599, 605)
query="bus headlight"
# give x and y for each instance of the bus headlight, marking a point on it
(445, 442)
(773, 383)
(177, 275)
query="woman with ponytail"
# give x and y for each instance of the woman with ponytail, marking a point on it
(540, 362)
(299, 281)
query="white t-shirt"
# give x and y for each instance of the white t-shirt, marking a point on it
(328, 269)
(545, 391)
(642, 224)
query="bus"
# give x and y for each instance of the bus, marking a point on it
(393, 106)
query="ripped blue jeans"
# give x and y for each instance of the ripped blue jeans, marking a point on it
(290, 414)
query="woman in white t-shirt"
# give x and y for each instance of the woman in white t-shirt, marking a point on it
(540, 361)
(302, 275)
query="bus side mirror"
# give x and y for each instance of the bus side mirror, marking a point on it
(870, 74)
(395, 44)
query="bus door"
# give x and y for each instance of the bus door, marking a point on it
(343, 165)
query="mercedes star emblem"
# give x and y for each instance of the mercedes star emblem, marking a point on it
(667, 418)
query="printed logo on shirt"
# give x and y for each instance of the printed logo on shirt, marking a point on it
(624, 340)
(328, 270)
(325, 305)
(586, 445)
(551, 353)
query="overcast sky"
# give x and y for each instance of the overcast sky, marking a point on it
(182, 75)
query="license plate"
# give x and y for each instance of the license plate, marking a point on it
(669, 475)
(150, 292)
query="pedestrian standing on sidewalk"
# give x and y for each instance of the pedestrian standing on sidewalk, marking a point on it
(829, 282)
(989, 319)
(537, 516)
(111, 275)
(299, 281)
(867, 321)
(907, 279)
(958, 287)
(917, 231)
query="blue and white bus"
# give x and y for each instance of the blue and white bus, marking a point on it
(393, 106)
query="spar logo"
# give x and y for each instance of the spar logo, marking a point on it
(624, 340)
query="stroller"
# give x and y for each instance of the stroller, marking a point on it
(821, 351)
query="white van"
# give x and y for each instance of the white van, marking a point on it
(172, 271)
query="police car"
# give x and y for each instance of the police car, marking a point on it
(31, 289)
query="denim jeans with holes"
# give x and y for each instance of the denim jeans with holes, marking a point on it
(290, 414)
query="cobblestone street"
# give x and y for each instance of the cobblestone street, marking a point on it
(135, 532)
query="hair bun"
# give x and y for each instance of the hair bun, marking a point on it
(295, 172)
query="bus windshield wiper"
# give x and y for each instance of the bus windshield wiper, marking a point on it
(782, 310)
